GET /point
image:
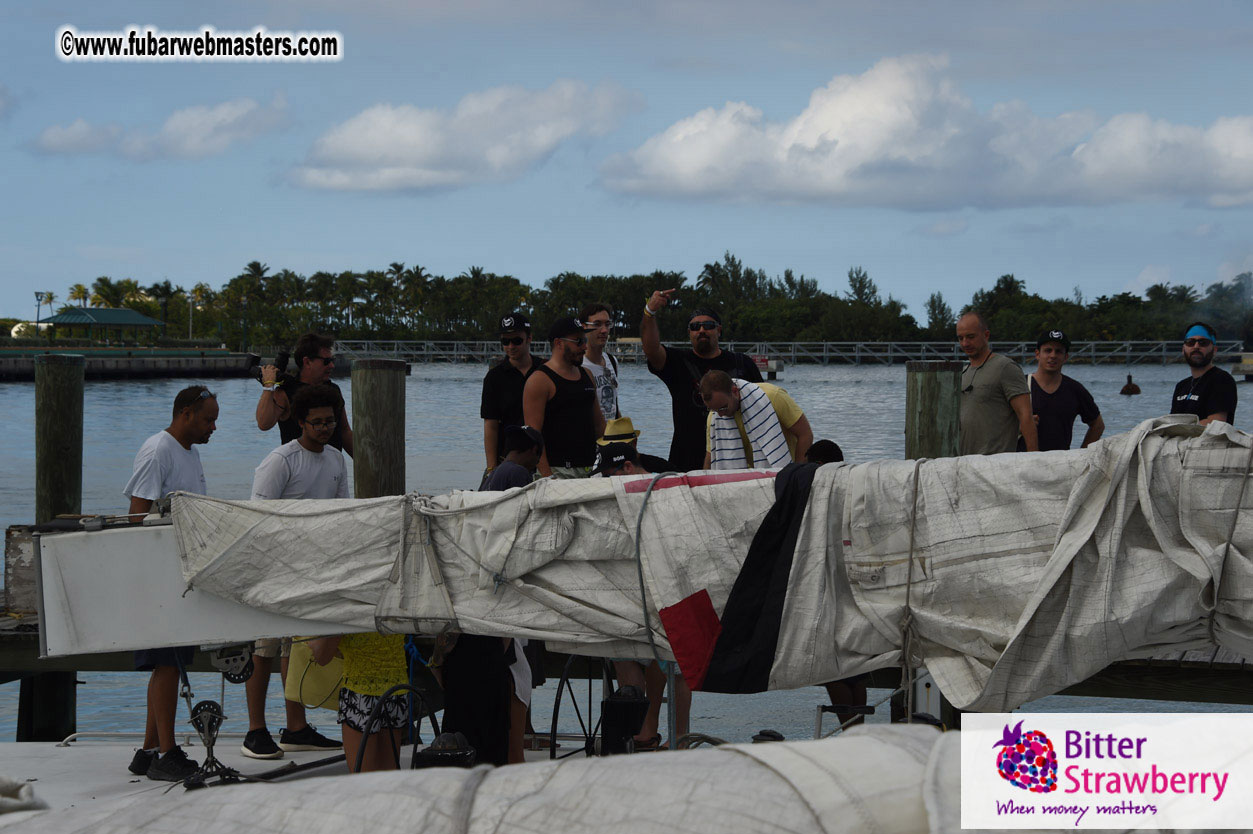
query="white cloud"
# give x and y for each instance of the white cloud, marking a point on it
(490, 136)
(903, 135)
(1150, 275)
(191, 133)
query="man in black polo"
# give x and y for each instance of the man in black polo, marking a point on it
(1209, 392)
(502, 387)
(681, 369)
(1056, 399)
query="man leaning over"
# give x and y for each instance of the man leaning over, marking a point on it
(751, 424)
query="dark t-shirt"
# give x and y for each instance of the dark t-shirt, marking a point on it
(1057, 412)
(681, 375)
(1211, 392)
(507, 476)
(289, 429)
(502, 397)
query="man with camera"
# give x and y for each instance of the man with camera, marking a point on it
(314, 355)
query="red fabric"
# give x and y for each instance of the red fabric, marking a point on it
(692, 628)
(697, 480)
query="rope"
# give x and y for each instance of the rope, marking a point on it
(1231, 534)
(907, 618)
(639, 566)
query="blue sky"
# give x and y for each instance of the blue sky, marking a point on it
(1099, 145)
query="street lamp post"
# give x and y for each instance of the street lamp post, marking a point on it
(39, 306)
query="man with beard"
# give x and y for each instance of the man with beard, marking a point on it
(314, 357)
(501, 403)
(560, 400)
(681, 369)
(1209, 392)
(1056, 399)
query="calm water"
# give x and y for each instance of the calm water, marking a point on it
(861, 408)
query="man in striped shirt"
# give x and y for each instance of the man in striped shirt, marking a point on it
(751, 425)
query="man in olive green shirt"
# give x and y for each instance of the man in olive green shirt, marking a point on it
(995, 400)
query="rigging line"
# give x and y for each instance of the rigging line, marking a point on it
(907, 617)
(639, 565)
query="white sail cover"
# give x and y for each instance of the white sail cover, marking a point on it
(890, 779)
(1030, 572)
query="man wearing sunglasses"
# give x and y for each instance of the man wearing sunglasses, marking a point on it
(597, 318)
(1209, 392)
(682, 369)
(315, 359)
(560, 400)
(307, 467)
(501, 404)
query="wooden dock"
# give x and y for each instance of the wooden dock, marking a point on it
(18, 364)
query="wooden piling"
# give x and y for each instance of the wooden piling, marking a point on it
(378, 427)
(932, 430)
(932, 409)
(47, 701)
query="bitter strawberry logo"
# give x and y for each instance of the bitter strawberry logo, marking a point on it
(1027, 760)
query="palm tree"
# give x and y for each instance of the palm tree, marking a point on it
(162, 293)
(105, 292)
(80, 293)
(49, 298)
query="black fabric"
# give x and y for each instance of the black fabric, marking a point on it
(744, 654)
(506, 476)
(1057, 412)
(476, 695)
(569, 433)
(502, 397)
(148, 659)
(289, 429)
(1213, 391)
(657, 465)
(681, 374)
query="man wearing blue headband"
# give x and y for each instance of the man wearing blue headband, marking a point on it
(1209, 392)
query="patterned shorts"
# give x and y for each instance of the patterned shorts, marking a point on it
(355, 708)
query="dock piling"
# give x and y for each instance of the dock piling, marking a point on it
(47, 701)
(378, 434)
(932, 430)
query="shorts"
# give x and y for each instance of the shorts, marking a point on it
(272, 647)
(148, 659)
(354, 710)
(568, 472)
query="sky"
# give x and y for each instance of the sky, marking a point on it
(1103, 146)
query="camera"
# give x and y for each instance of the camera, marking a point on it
(280, 362)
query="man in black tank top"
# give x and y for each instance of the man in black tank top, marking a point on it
(314, 357)
(560, 400)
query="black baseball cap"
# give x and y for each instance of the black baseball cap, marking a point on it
(1053, 336)
(514, 323)
(565, 327)
(613, 455)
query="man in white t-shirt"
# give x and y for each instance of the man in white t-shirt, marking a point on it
(307, 467)
(597, 319)
(166, 463)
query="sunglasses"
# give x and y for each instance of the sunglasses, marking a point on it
(323, 424)
(206, 394)
(513, 341)
(1197, 343)
(694, 326)
(325, 360)
(582, 340)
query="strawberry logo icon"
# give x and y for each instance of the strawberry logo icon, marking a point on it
(1027, 760)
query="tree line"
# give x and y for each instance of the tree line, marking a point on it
(264, 307)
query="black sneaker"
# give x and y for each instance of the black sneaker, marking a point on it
(259, 744)
(173, 766)
(306, 739)
(142, 761)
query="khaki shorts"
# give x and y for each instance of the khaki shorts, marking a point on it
(569, 472)
(272, 647)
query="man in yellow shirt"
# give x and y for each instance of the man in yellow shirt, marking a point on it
(751, 424)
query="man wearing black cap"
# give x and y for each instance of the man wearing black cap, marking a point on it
(560, 400)
(1209, 392)
(1056, 399)
(523, 447)
(681, 369)
(502, 387)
